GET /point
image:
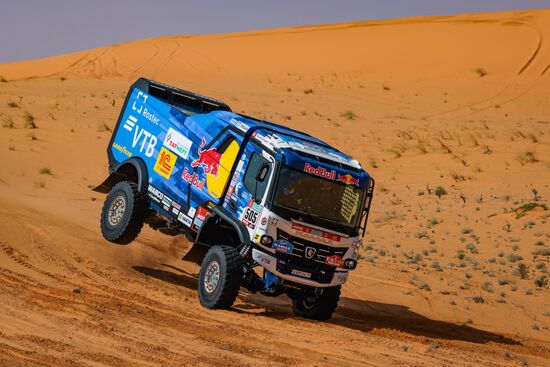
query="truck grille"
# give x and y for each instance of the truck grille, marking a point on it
(301, 246)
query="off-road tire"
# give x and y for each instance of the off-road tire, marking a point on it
(130, 221)
(321, 309)
(230, 273)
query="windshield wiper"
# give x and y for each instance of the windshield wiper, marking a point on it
(308, 215)
(340, 227)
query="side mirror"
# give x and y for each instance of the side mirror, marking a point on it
(262, 172)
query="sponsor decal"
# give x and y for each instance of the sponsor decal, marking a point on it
(334, 260)
(209, 160)
(320, 171)
(185, 219)
(138, 106)
(130, 123)
(150, 116)
(141, 98)
(348, 179)
(303, 274)
(166, 161)
(123, 150)
(316, 232)
(191, 212)
(177, 143)
(239, 125)
(155, 194)
(148, 140)
(240, 166)
(166, 201)
(257, 237)
(283, 246)
(193, 179)
(200, 216)
(254, 205)
(175, 210)
(250, 217)
(264, 221)
(261, 258)
(262, 139)
(310, 252)
(274, 221)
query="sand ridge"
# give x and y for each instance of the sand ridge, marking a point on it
(449, 114)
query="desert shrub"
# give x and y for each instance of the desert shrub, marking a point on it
(46, 171)
(440, 191)
(479, 299)
(350, 115)
(527, 157)
(526, 208)
(541, 281)
(502, 281)
(103, 127)
(522, 271)
(425, 286)
(487, 287)
(8, 123)
(29, 121)
(13, 104)
(308, 91)
(542, 252)
(513, 258)
(481, 72)
(472, 248)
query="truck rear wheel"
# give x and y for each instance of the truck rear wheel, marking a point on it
(123, 213)
(309, 305)
(220, 277)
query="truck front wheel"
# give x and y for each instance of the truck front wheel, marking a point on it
(316, 304)
(123, 213)
(220, 277)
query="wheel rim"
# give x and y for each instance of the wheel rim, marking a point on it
(116, 210)
(212, 276)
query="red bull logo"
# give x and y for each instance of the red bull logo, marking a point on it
(320, 171)
(348, 179)
(209, 160)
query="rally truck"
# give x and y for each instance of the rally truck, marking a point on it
(269, 208)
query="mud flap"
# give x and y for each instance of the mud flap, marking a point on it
(196, 254)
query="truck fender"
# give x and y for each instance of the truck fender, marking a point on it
(133, 169)
(210, 233)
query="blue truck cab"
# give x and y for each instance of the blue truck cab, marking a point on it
(266, 207)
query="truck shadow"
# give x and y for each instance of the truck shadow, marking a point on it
(351, 313)
(180, 277)
(366, 315)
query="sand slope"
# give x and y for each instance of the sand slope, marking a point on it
(457, 102)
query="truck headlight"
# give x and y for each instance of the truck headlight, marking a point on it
(266, 240)
(350, 264)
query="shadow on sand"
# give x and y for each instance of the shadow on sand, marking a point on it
(352, 313)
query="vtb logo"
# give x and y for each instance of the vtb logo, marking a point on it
(209, 159)
(165, 163)
(310, 252)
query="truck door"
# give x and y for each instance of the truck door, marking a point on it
(249, 185)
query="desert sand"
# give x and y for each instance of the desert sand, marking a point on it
(450, 115)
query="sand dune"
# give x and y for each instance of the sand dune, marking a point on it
(458, 103)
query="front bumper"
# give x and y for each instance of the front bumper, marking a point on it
(269, 262)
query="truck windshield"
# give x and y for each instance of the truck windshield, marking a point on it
(318, 201)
